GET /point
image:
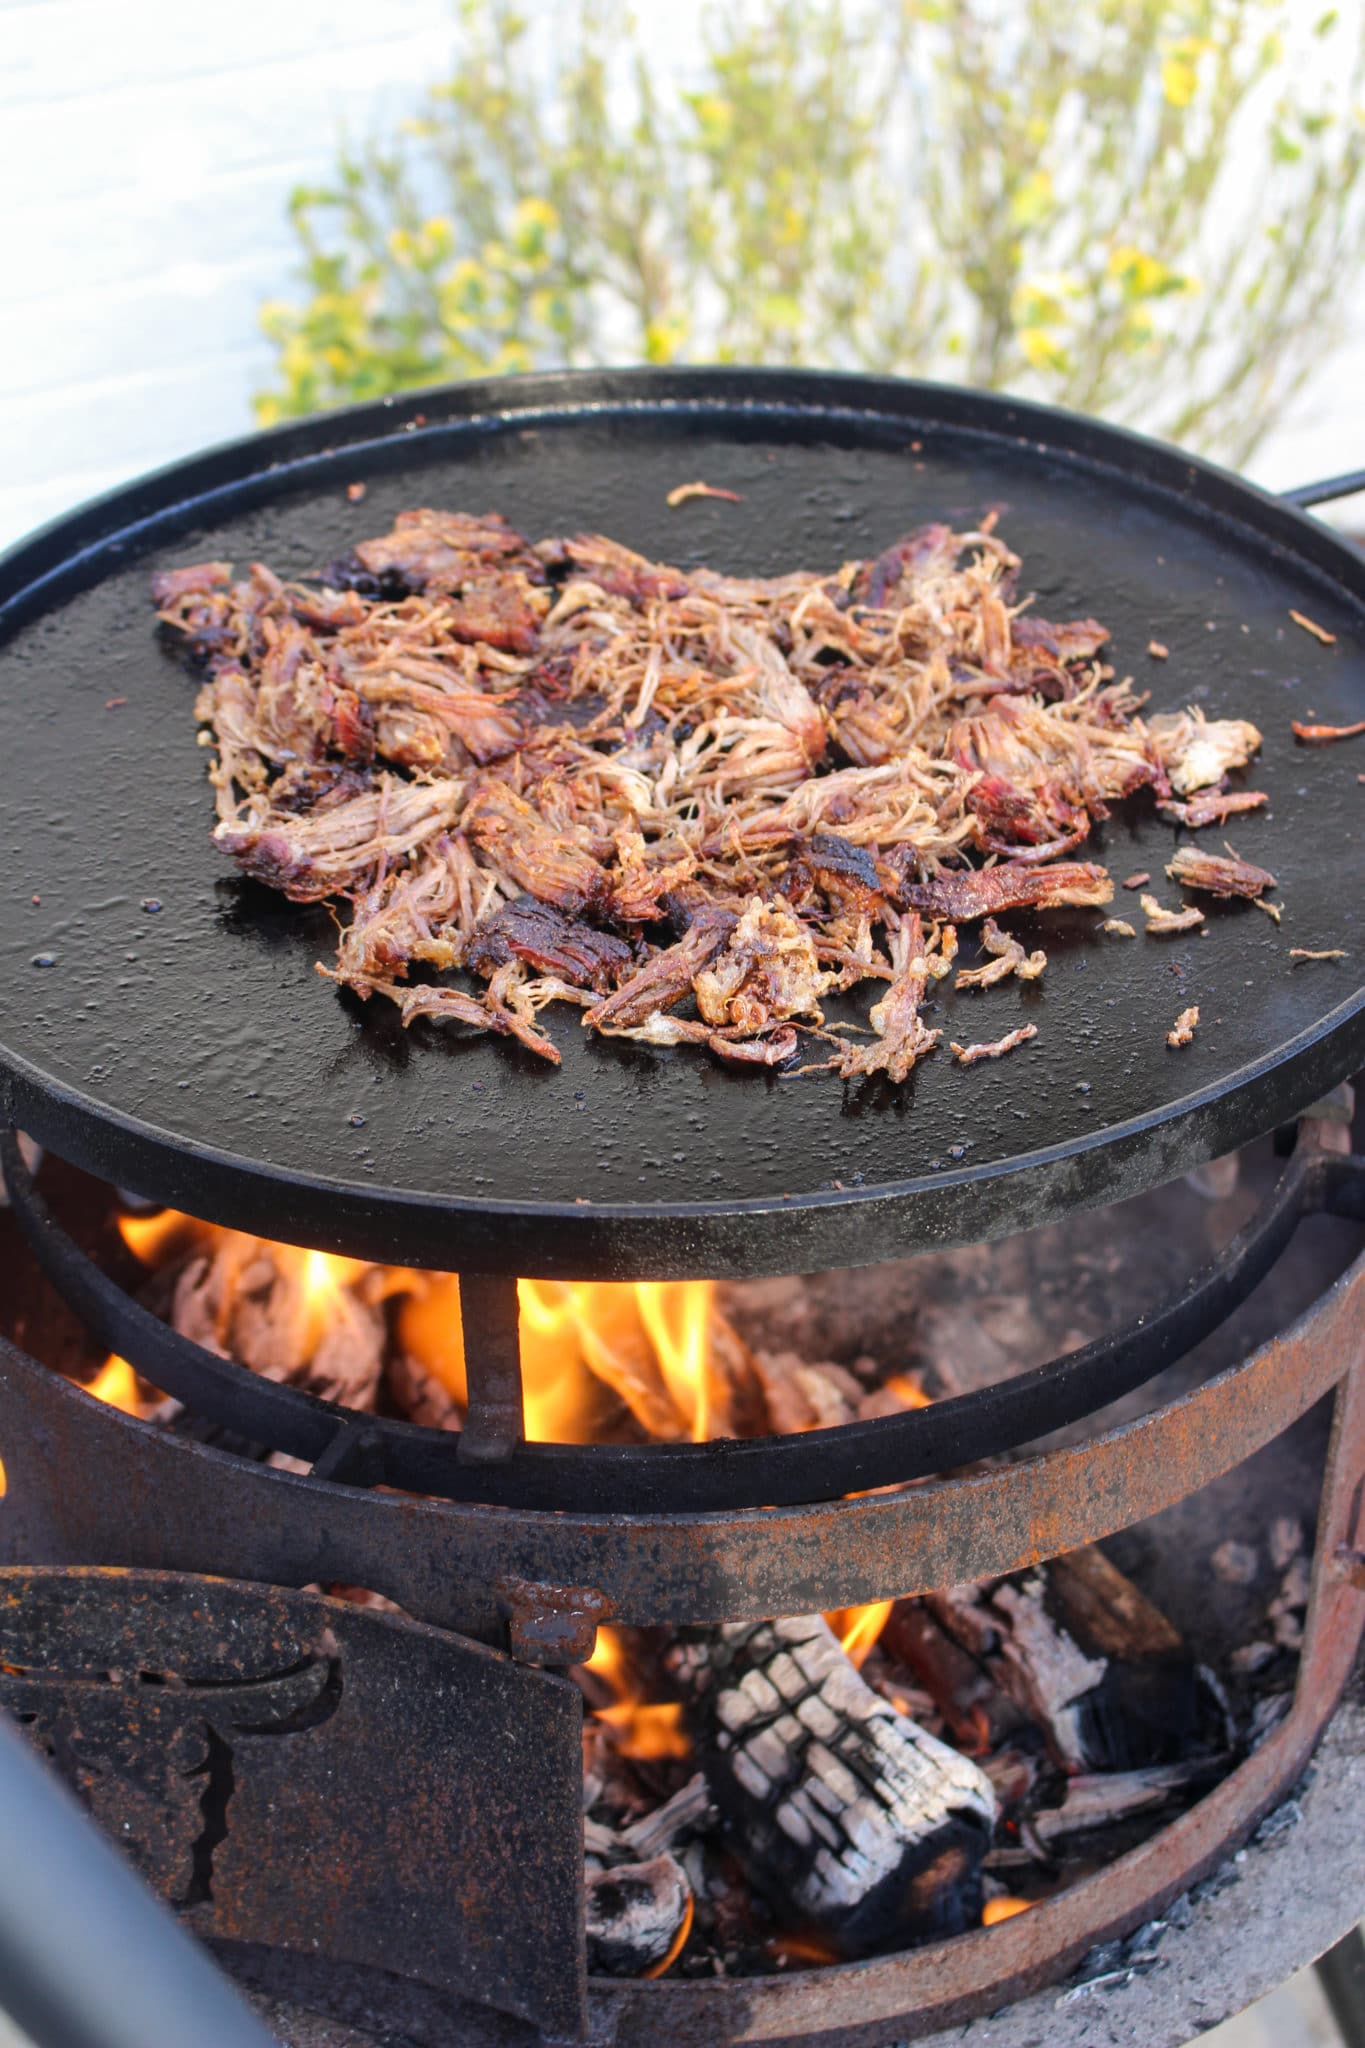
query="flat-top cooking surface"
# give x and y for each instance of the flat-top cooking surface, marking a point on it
(192, 1050)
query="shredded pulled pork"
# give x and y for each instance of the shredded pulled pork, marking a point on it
(1160, 920)
(693, 805)
(968, 1055)
(1218, 874)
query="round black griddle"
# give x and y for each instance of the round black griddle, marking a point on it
(191, 1052)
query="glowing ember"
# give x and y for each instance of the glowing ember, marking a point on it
(676, 1946)
(906, 1390)
(1003, 1908)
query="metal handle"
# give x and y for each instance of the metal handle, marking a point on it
(1324, 492)
(88, 1958)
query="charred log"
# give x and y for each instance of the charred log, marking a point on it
(845, 1813)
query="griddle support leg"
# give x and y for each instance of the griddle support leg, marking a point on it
(495, 1422)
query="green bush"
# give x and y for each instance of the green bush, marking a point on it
(1143, 209)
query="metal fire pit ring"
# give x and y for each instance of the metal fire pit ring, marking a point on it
(677, 1568)
(721, 1476)
(958, 1529)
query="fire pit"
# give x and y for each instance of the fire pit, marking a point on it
(811, 1850)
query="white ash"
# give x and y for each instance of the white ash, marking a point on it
(1285, 1540)
(1236, 1564)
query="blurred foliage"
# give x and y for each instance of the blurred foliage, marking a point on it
(1143, 209)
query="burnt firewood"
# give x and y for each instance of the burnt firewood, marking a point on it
(845, 1813)
(976, 1713)
(1044, 1670)
(635, 1913)
(1089, 1660)
(1104, 1610)
(1099, 1801)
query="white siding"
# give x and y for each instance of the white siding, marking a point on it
(147, 150)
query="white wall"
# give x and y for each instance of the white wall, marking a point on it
(147, 149)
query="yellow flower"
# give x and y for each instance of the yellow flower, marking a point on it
(1041, 351)
(1031, 200)
(1179, 69)
(663, 339)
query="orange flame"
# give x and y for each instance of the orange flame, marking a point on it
(647, 1730)
(1003, 1908)
(150, 1238)
(906, 1389)
(676, 1946)
(804, 1949)
(117, 1383)
(859, 1627)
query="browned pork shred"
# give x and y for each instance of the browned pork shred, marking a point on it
(692, 804)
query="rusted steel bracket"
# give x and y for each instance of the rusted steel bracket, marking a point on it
(551, 1624)
(291, 1770)
(494, 1420)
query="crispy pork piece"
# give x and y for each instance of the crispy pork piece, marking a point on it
(902, 1036)
(545, 862)
(1009, 958)
(665, 979)
(1197, 751)
(195, 580)
(1211, 807)
(1160, 921)
(540, 935)
(967, 893)
(335, 851)
(406, 917)
(968, 1055)
(1184, 1027)
(1323, 735)
(445, 551)
(767, 973)
(1218, 874)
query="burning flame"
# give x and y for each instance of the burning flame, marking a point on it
(647, 1730)
(117, 1383)
(906, 1389)
(859, 1627)
(676, 1946)
(1003, 1908)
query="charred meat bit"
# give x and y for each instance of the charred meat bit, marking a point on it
(1218, 874)
(1211, 807)
(1184, 1027)
(1323, 735)
(536, 933)
(963, 894)
(968, 1055)
(1161, 921)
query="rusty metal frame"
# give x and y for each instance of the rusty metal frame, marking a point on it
(166, 1502)
(488, 1462)
(171, 1504)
